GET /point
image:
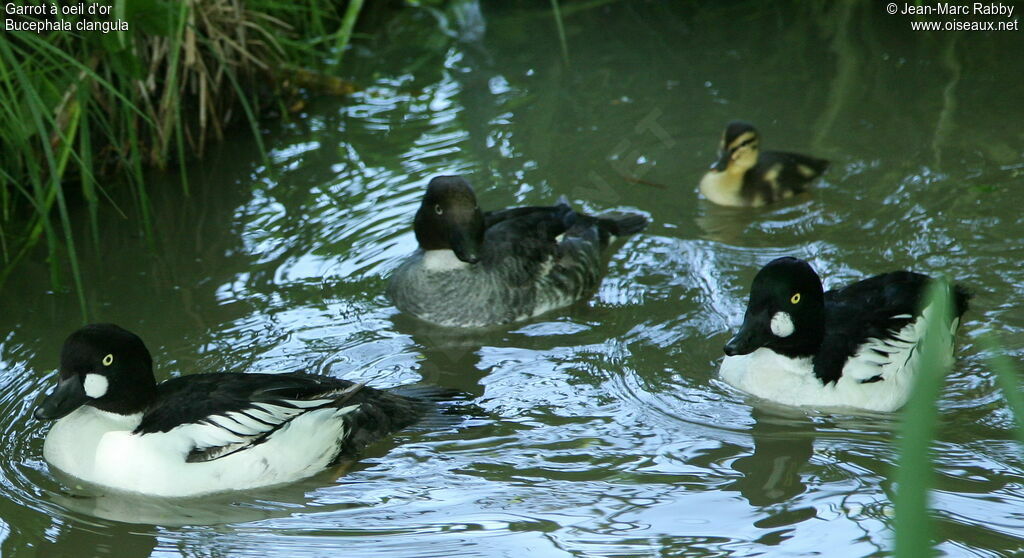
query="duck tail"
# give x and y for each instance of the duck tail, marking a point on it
(608, 226)
(622, 225)
(426, 392)
(438, 408)
(820, 165)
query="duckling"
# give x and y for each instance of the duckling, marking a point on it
(857, 346)
(475, 269)
(198, 434)
(744, 176)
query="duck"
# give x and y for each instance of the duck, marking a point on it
(745, 176)
(477, 269)
(117, 428)
(853, 347)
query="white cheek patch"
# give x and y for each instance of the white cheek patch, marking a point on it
(95, 385)
(782, 324)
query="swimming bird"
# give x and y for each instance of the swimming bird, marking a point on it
(745, 176)
(190, 435)
(479, 269)
(857, 346)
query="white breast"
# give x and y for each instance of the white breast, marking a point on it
(99, 447)
(769, 375)
(442, 260)
(73, 441)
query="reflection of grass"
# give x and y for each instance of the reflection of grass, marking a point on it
(78, 106)
(556, 11)
(914, 535)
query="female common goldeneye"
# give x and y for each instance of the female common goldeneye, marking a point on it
(744, 176)
(851, 347)
(478, 269)
(191, 435)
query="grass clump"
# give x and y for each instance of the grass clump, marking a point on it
(77, 106)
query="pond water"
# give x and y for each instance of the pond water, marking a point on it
(603, 429)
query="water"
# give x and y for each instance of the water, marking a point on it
(604, 430)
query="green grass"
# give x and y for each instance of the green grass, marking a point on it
(914, 478)
(1006, 374)
(915, 535)
(556, 11)
(87, 113)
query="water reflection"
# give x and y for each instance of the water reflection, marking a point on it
(783, 444)
(98, 539)
(447, 356)
(215, 509)
(760, 226)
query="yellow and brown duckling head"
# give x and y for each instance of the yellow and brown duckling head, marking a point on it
(746, 176)
(738, 149)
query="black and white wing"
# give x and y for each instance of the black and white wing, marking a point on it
(875, 327)
(217, 415)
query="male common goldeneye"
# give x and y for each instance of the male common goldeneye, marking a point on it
(851, 347)
(744, 176)
(197, 434)
(478, 269)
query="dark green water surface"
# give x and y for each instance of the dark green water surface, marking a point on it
(604, 430)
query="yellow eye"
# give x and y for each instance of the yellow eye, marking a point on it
(795, 299)
(108, 360)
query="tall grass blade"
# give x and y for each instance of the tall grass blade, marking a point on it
(1009, 382)
(556, 9)
(250, 115)
(85, 171)
(348, 23)
(914, 477)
